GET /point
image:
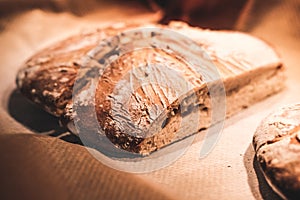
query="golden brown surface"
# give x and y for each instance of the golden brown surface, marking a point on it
(251, 71)
(277, 145)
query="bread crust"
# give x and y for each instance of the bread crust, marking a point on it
(277, 145)
(251, 71)
(48, 77)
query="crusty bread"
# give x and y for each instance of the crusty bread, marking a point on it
(277, 145)
(47, 78)
(251, 71)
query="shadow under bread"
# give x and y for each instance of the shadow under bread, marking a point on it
(36, 119)
(256, 177)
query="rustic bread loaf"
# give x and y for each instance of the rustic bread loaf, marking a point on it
(47, 78)
(277, 145)
(251, 71)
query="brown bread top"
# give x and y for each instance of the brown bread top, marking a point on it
(277, 145)
(48, 79)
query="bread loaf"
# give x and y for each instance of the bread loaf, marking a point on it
(250, 69)
(277, 145)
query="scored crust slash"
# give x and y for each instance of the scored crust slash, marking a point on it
(249, 68)
(144, 104)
